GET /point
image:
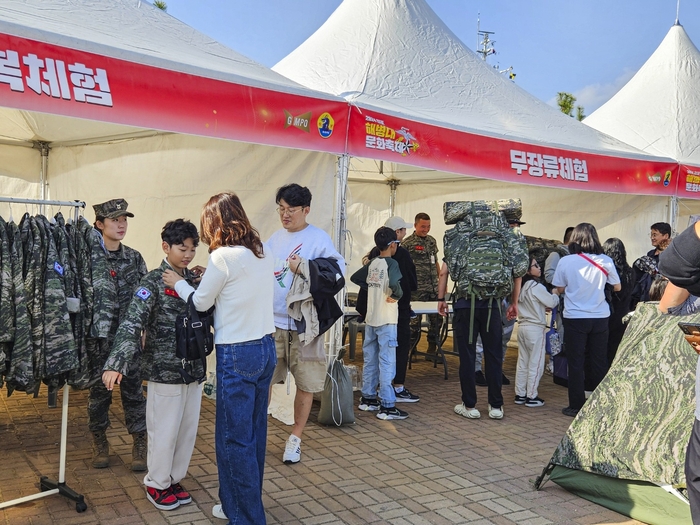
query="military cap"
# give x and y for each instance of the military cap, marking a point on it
(112, 209)
(515, 221)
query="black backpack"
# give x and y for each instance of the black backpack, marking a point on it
(194, 338)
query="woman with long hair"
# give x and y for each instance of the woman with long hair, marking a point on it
(238, 281)
(615, 249)
(583, 276)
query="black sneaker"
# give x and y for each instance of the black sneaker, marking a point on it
(479, 379)
(162, 499)
(534, 402)
(406, 397)
(520, 400)
(368, 404)
(391, 413)
(505, 380)
(568, 411)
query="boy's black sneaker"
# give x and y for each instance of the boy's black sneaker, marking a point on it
(534, 402)
(369, 405)
(391, 413)
(406, 397)
(520, 400)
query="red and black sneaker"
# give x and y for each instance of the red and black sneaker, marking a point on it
(162, 499)
(181, 494)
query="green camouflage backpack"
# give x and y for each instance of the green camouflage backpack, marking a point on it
(483, 254)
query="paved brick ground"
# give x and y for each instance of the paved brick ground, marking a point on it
(433, 468)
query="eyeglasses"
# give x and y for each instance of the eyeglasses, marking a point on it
(288, 211)
(393, 242)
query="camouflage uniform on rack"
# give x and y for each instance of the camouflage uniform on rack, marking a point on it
(423, 251)
(6, 303)
(20, 374)
(115, 278)
(153, 308)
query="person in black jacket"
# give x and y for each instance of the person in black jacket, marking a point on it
(409, 283)
(621, 301)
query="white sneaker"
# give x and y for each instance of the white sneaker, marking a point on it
(495, 413)
(218, 512)
(292, 450)
(469, 413)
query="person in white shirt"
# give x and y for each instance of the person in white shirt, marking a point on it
(297, 240)
(238, 282)
(582, 276)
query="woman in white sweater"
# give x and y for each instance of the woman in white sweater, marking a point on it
(532, 326)
(239, 282)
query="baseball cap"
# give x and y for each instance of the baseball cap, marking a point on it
(397, 223)
(112, 209)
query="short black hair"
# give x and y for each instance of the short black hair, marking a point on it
(567, 234)
(383, 237)
(178, 231)
(421, 216)
(294, 195)
(663, 228)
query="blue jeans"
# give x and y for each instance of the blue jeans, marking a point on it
(379, 352)
(243, 374)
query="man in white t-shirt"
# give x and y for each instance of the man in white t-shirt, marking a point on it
(297, 240)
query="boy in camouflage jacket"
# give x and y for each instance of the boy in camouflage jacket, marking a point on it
(172, 407)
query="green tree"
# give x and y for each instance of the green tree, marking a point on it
(566, 103)
(160, 4)
(580, 115)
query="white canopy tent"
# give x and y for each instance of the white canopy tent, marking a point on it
(658, 111)
(123, 100)
(401, 68)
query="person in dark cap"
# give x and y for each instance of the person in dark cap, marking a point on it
(117, 270)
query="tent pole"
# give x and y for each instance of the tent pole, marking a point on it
(393, 183)
(43, 148)
(673, 213)
(339, 234)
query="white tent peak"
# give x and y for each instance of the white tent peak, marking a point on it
(658, 110)
(398, 57)
(136, 31)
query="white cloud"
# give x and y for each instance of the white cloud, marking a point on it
(592, 96)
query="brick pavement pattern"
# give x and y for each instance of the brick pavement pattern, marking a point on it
(433, 468)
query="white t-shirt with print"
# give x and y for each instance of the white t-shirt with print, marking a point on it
(309, 243)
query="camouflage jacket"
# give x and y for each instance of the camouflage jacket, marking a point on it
(153, 308)
(58, 345)
(423, 251)
(20, 373)
(115, 277)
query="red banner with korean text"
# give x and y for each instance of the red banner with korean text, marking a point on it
(37, 76)
(381, 137)
(689, 182)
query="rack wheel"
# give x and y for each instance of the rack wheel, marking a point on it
(81, 506)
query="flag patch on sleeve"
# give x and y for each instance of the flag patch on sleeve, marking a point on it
(143, 293)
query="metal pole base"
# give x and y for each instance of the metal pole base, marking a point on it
(64, 490)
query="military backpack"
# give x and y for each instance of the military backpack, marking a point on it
(483, 253)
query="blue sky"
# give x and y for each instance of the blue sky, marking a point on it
(587, 47)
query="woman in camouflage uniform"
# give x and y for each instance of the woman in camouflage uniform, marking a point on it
(116, 272)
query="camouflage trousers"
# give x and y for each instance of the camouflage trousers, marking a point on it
(133, 402)
(435, 321)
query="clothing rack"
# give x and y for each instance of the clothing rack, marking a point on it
(48, 486)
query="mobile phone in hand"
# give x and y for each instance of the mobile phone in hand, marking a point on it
(690, 328)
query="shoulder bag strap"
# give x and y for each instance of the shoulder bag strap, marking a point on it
(594, 264)
(195, 324)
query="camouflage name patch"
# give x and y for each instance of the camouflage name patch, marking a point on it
(58, 268)
(143, 293)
